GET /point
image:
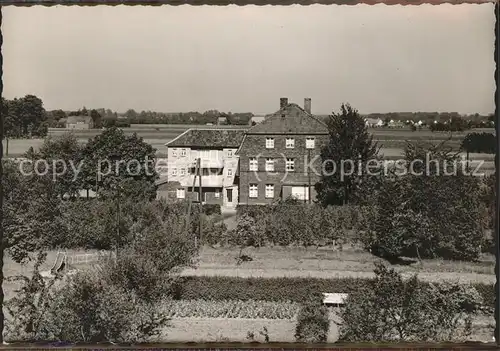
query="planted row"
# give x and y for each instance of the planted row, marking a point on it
(231, 309)
(279, 289)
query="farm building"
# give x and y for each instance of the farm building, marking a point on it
(79, 122)
(374, 122)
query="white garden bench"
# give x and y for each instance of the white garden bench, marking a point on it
(334, 299)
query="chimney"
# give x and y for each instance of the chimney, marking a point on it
(283, 102)
(307, 105)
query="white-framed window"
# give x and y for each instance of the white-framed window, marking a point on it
(253, 191)
(174, 152)
(310, 143)
(183, 152)
(229, 153)
(269, 164)
(269, 143)
(229, 172)
(174, 171)
(183, 171)
(290, 164)
(290, 143)
(253, 164)
(217, 194)
(269, 191)
(181, 193)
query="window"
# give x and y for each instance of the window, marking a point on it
(229, 172)
(290, 164)
(269, 191)
(181, 193)
(253, 164)
(270, 164)
(174, 171)
(253, 191)
(309, 143)
(183, 171)
(183, 152)
(290, 143)
(269, 143)
(174, 152)
(217, 194)
(229, 153)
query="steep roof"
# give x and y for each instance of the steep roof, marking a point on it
(209, 138)
(291, 119)
(76, 119)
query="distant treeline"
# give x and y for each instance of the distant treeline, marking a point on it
(428, 116)
(107, 118)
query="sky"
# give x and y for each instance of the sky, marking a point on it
(243, 59)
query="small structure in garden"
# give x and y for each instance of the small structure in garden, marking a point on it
(334, 299)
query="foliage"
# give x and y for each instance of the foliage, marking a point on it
(281, 289)
(296, 223)
(345, 157)
(31, 212)
(479, 143)
(250, 309)
(312, 321)
(211, 209)
(429, 215)
(62, 157)
(24, 117)
(390, 308)
(118, 158)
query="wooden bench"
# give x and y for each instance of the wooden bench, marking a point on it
(334, 299)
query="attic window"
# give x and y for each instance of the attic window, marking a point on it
(283, 115)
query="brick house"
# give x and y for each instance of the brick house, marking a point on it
(274, 155)
(219, 165)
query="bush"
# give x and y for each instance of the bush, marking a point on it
(312, 322)
(280, 289)
(211, 209)
(86, 309)
(390, 309)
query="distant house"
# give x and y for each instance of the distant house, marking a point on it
(257, 119)
(222, 120)
(374, 122)
(396, 124)
(79, 122)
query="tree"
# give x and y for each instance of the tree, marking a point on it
(428, 214)
(63, 156)
(96, 118)
(349, 149)
(111, 158)
(393, 309)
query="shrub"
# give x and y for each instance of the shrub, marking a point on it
(312, 322)
(211, 209)
(280, 289)
(390, 309)
(83, 309)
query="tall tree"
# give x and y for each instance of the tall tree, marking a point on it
(349, 149)
(114, 159)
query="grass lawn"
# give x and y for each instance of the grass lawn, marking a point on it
(330, 263)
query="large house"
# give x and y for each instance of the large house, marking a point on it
(79, 122)
(216, 150)
(274, 155)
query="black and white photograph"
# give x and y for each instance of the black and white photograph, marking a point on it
(248, 174)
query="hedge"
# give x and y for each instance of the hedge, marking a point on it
(279, 289)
